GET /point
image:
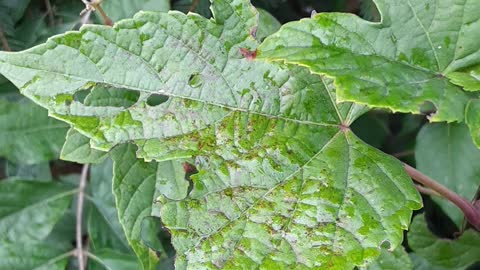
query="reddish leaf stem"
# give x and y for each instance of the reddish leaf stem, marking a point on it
(468, 209)
(106, 19)
(92, 5)
(427, 191)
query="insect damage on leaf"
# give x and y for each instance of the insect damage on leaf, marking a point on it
(189, 168)
(397, 63)
(278, 183)
(249, 55)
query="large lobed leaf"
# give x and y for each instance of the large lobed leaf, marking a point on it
(419, 55)
(282, 182)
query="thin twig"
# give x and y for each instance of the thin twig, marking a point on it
(94, 257)
(193, 6)
(404, 153)
(427, 191)
(92, 5)
(85, 17)
(4, 41)
(106, 19)
(80, 197)
(470, 212)
(61, 257)
(51, 18)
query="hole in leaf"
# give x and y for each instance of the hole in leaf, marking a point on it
(155, 236)
(428, 108)
(386, 245)
(156, 99)
(369, 11)
(195, 80)
(81, 95)
(113, 97)
(190, 170)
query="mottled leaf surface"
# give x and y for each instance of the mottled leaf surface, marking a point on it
(446, 153)
(402, 62)
(280, 180)
(443, 253)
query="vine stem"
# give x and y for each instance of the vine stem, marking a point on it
(4, 41)
(193, 6)
(80, 199)
(51, 18)
(427, 191)
(92, 5)
(468, 209)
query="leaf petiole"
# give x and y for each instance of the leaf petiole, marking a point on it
(471, 213)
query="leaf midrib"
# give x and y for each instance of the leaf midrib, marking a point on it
(40, 202)
(187, 98)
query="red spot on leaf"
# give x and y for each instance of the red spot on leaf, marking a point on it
(250, 55)
(189, 168)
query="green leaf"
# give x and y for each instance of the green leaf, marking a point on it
(28, 135)
(392, 260)
(32, 256)
(420, 263)
(77, 149)
(400, 63)
(104, 229)
(450, 254)
(281, 178)
(121, 9)
(201, 7)
(134, 184)
(473, 120)
(11, 12)
(113, 260)
(39, 172)
(446, 153)
(29, 210)
(267, 24)
(283, 214)
(469, 79)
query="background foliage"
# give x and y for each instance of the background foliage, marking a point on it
(38, 191)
